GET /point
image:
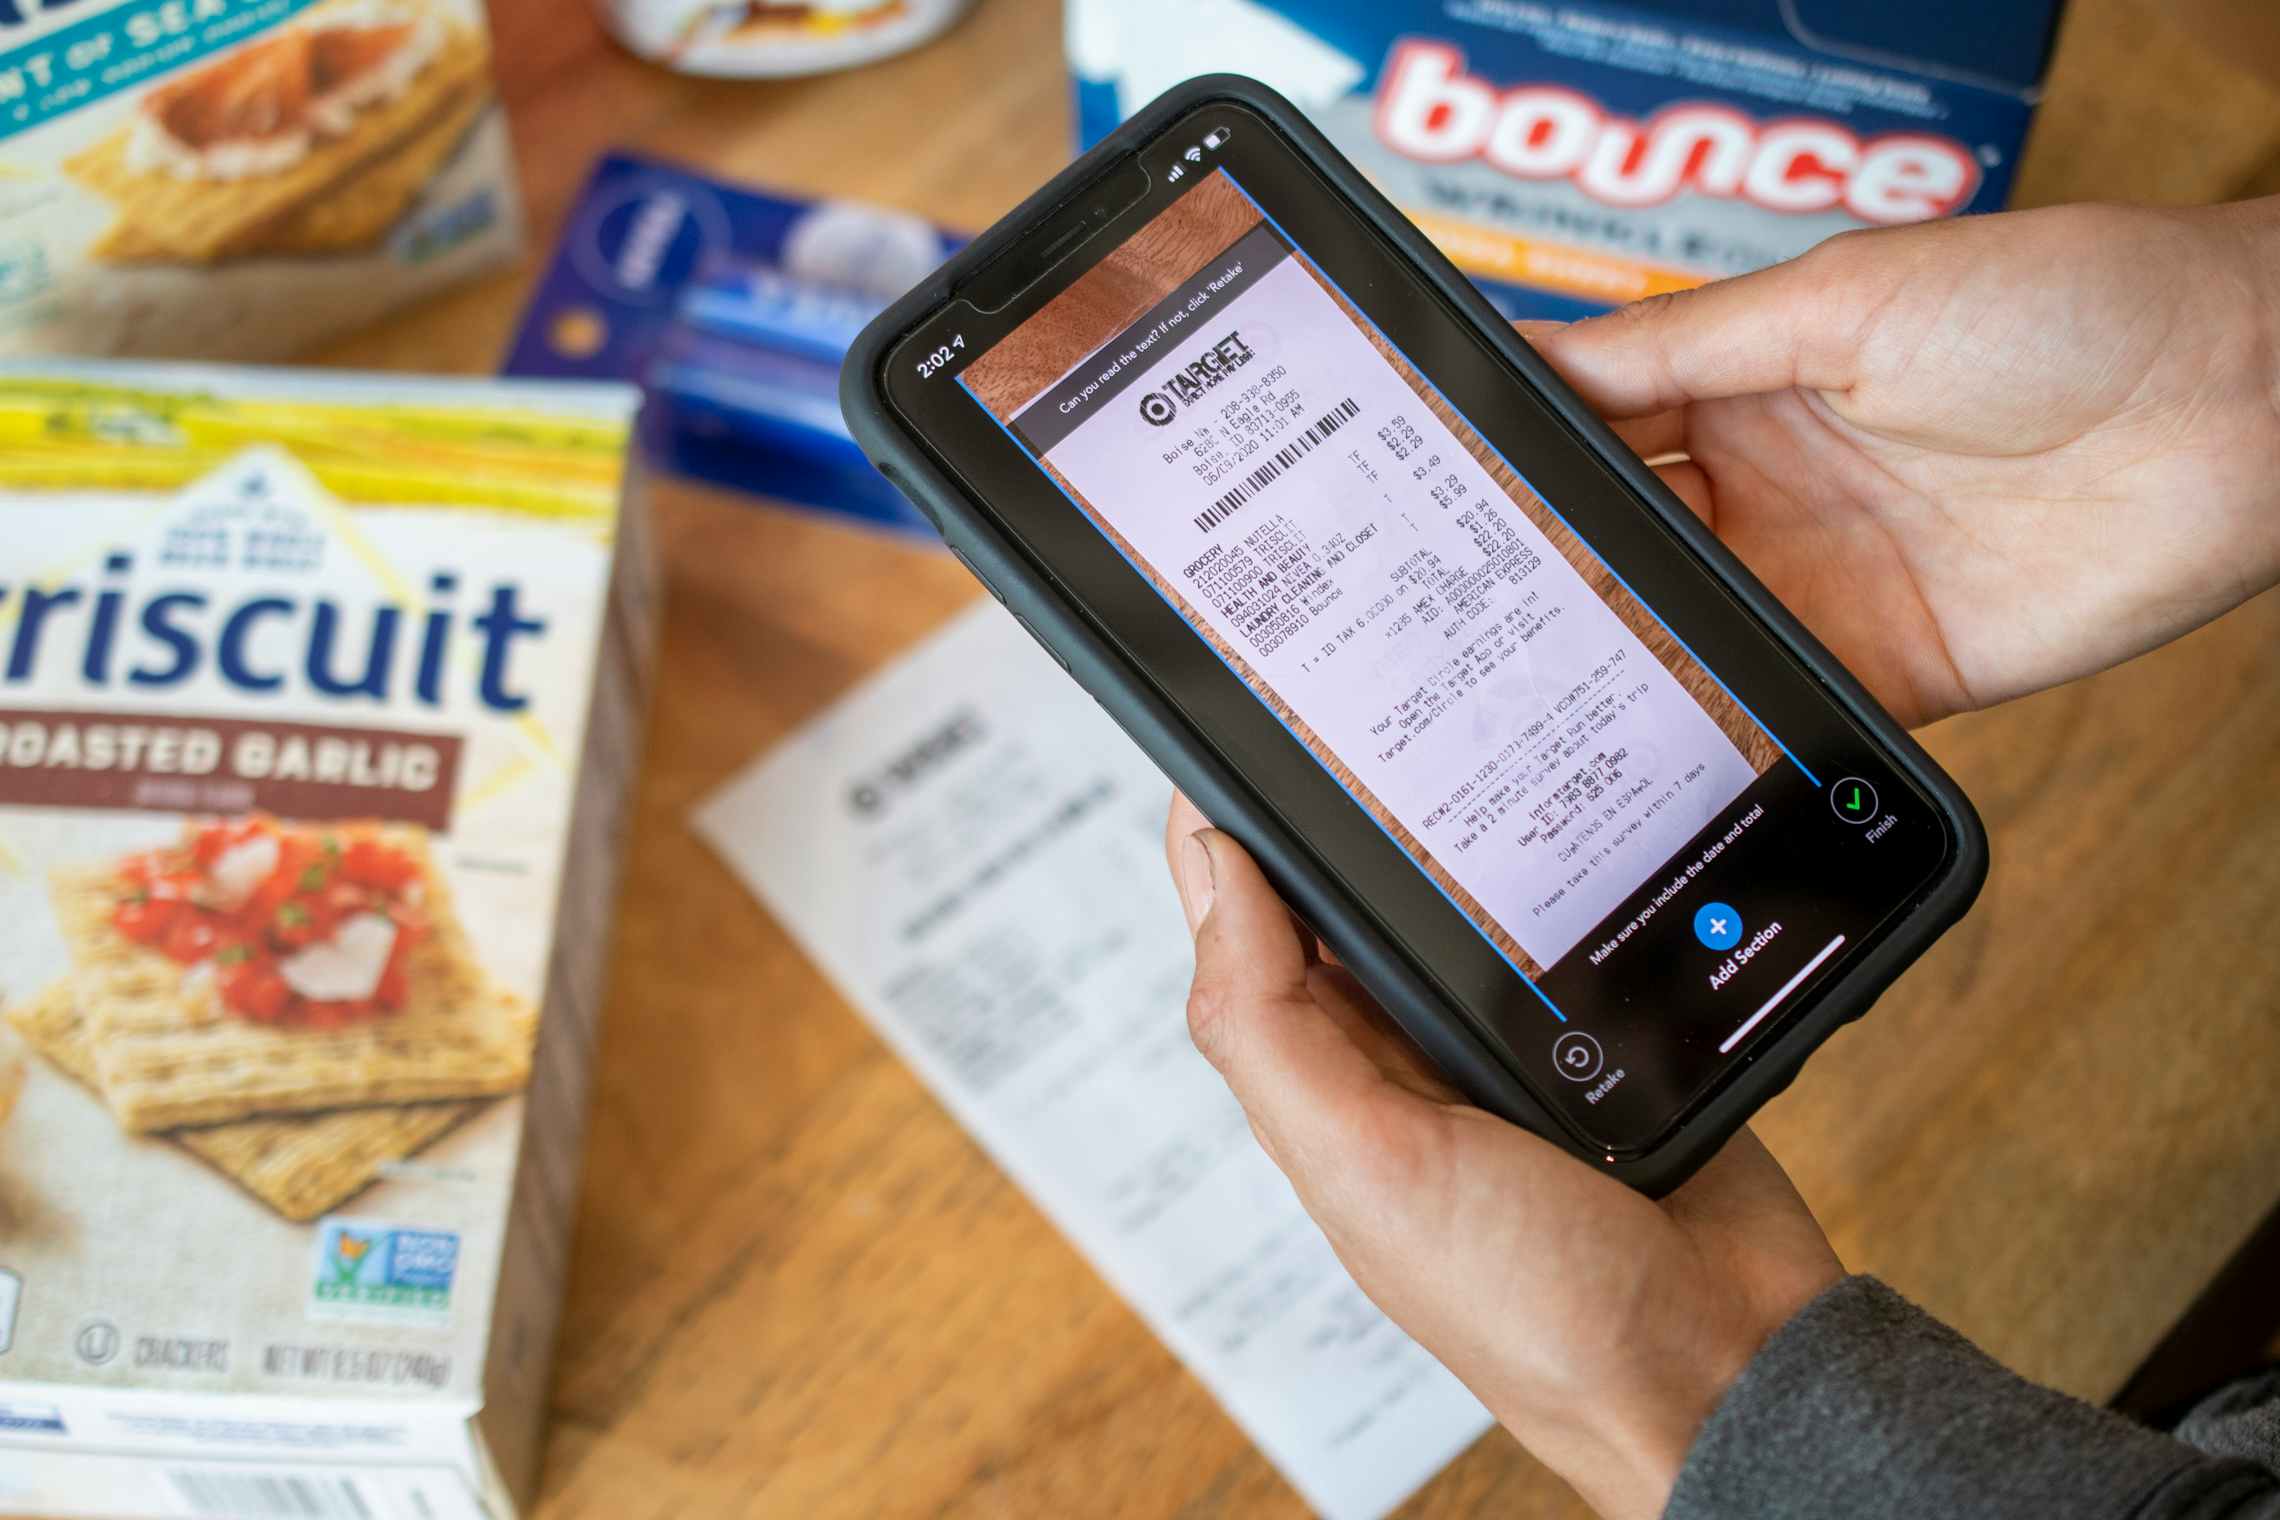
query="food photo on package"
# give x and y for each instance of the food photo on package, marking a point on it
(227, 179)
(318, 698)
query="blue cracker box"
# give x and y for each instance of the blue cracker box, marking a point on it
(1577, 155)
(732, 309)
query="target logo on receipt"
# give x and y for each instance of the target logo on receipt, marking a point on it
(1189, 383)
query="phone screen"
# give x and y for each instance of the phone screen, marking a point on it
(1452, 626)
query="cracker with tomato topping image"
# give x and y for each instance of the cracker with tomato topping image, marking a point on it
(303, 1166)
(178, 1041)
(224, 160)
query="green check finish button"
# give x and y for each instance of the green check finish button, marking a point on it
(1854, 800)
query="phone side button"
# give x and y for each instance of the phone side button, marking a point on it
(1031, 629)
(960, 555)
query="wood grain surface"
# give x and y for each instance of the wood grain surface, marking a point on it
(800, 1290)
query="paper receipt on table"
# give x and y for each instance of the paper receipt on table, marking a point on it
(973, 852)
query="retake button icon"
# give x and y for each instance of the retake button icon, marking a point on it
(1718, 926)
(1578, 1056)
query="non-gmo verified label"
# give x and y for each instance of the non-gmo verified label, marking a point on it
(384, 1272)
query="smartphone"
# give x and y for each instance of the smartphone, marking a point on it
(1601, 825)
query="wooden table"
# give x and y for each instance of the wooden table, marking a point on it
(800, 1290)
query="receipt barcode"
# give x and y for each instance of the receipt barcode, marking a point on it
(272, 1496)
(1298, 448)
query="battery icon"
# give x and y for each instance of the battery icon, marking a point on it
(1215, 137)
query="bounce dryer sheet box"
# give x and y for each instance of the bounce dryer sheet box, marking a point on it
(240, 178)
(1576, 155)
(734, 309)
(317, 699)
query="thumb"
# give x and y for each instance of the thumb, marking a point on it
(1305, 1084)
(1797, 324)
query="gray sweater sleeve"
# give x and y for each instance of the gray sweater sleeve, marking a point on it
(1864, 1407)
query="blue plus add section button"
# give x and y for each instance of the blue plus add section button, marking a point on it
(1718, 926)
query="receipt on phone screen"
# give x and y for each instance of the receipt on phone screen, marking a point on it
(1328, 529)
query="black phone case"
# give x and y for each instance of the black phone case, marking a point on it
(1337, 913)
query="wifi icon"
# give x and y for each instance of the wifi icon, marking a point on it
(1193, 155)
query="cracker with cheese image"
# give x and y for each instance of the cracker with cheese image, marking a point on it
(352, 217)
(301, 1165)
(262, 968)
(361, 211)
(313, 138)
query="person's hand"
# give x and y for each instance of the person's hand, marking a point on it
(1599, 1327)
(1978, 457)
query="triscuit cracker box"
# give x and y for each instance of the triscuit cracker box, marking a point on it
(240, 178)
(318, 698)
(1573, 155)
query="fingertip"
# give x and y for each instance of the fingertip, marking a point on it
(1180, 820)
(1609, 360)
(1243, 931)
(1193, 870)
(1239, 893)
